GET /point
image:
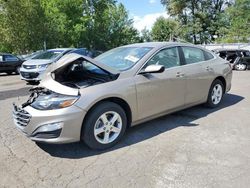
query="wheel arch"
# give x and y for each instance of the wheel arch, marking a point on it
(121, 102)
(223, 80)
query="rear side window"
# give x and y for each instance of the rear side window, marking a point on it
(193, 55)
(208, 55)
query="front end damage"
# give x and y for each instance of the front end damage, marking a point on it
(50, 114)
(51, 125)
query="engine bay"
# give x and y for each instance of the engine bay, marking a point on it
(82, 74)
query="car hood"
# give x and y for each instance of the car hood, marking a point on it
(38, 62)
(49, 83)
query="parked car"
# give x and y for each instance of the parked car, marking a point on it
(10, 63)
(86, 52)
(31, 55)
(239, 59)
(33, 69)
(96, 100)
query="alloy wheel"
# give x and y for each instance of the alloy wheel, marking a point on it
(240, 67)
(217, 94)
(108, 127)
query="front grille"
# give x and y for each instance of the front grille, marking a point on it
(29, 74)
(21, 117)
(29, 66)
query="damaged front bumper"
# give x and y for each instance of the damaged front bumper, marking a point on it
(50, 126)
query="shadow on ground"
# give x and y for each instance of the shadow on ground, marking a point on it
(14, 93)
(142, 132)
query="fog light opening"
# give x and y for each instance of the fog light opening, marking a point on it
(49, 127)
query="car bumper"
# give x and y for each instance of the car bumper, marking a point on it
(50, 126)
(31, 74)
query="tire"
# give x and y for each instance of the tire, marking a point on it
(17, 71)
(215, 94)
(98, 132)
(240, 67)
(9, 72)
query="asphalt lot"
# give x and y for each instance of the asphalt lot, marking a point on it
(197, 147)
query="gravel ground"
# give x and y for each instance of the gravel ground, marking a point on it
(197, 147)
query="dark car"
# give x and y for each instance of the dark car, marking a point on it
(10, 63)
(239, 59)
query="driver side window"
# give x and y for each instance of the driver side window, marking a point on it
(168, 57)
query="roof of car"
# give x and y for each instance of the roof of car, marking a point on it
(155, 44)
(63, 49)
(226, 49)
(2, 53)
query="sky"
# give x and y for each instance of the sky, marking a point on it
(144, 12)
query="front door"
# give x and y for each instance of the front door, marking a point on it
(160, 92)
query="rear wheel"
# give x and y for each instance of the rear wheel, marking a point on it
(240, 67)
(9, 72)
(104, 126)
(215, 94)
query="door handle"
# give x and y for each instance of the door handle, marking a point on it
(208, 68)
(180, 75)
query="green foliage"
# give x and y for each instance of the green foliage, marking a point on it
(145, 35)
(96, 24)
(164, 29)
(239, 28)
(22, 25)
(201, 19)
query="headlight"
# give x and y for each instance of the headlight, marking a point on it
(53, 101)
(43, 66)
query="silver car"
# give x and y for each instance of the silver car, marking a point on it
(96, 100)
(32, 70)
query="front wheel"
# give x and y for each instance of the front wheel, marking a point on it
(104, 126)
(240, 67)
(215, 94)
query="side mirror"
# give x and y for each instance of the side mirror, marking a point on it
(153, 69)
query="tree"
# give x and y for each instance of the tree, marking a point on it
(95, 24)
(22, 25)
(145, 35)
(239, 27)
(201, 19)
(107, 25)
(164, 29)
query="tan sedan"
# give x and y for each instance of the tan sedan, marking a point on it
(96, 100)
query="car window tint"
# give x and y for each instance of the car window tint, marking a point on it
(193, 55)
(208, 55)
(10, 58)
(168, 58)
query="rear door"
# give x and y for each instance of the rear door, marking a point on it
(160, 92)
(198, 72)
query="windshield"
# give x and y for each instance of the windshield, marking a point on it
(123, 58)
(48, 54)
